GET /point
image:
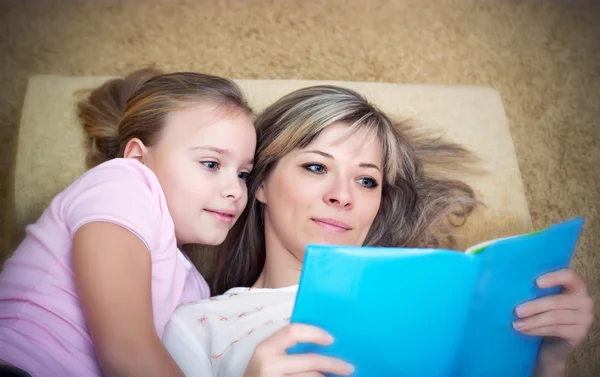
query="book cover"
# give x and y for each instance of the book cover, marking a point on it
(430, 312)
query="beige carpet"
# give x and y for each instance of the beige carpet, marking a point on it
(543, 57)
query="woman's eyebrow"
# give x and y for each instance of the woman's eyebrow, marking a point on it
(369, 165)
(327, 155)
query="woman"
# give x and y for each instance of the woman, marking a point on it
(332, 169)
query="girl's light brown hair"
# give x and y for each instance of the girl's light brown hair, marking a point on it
(417, 208)
(136, 107)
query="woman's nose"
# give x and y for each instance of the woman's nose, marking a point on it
(339, 196)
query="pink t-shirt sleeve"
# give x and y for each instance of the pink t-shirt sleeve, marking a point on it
(122, 192)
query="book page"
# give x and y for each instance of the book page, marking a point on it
(480, 247)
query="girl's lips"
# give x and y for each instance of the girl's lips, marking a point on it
(224, 216)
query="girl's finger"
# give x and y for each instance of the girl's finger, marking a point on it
(551, 318)
(566, 277)
(554, 302)
(572, 334)
(307, 374)
(310, 362)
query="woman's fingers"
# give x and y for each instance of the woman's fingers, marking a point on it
(271, 359)
(563, 319)
(288, 336)
(571, 282)
(571, 334)
(555, 302)
(553, 318)
(313, 363)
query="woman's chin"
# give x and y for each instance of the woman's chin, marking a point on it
(331, 241)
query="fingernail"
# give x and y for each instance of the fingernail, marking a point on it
(330, 338)
(541, 281)
(349, 368)
(520, 310)
(518, 324)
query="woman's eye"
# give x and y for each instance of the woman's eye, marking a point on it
(212, 165)
(243, 175)
(315, 168)
(368, 183)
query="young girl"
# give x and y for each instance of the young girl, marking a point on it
(332, 169)
(91, 287)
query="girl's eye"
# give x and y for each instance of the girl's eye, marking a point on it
(369, 183)
(212, 165)
(315, 168)
(243, 175)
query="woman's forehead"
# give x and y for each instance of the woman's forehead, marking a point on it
(336, 140)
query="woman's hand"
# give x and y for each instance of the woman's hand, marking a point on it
(271, 360)
(564, 319)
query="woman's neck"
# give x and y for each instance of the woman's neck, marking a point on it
(281, 268)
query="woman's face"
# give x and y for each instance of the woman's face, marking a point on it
(326, 193)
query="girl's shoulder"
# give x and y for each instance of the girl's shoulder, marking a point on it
(118, 170)
(122, 191)
(124, 180)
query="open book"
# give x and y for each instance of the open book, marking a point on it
(430, 312)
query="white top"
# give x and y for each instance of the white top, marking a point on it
(217, 336)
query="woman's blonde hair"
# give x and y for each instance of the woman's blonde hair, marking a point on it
(415, 206)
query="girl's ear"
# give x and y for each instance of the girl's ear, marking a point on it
(135, 148)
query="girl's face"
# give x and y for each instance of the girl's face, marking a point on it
(326, 193)
(202, 158)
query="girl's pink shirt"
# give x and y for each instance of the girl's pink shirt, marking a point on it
(42, 327)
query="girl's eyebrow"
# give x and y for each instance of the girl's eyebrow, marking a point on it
(214, 149)
(327, 155)
(224, 152)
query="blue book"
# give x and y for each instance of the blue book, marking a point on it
(430, 312)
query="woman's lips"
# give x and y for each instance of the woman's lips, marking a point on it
(332, 225)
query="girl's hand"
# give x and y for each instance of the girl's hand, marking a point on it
(271, 360)
(564, 319)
